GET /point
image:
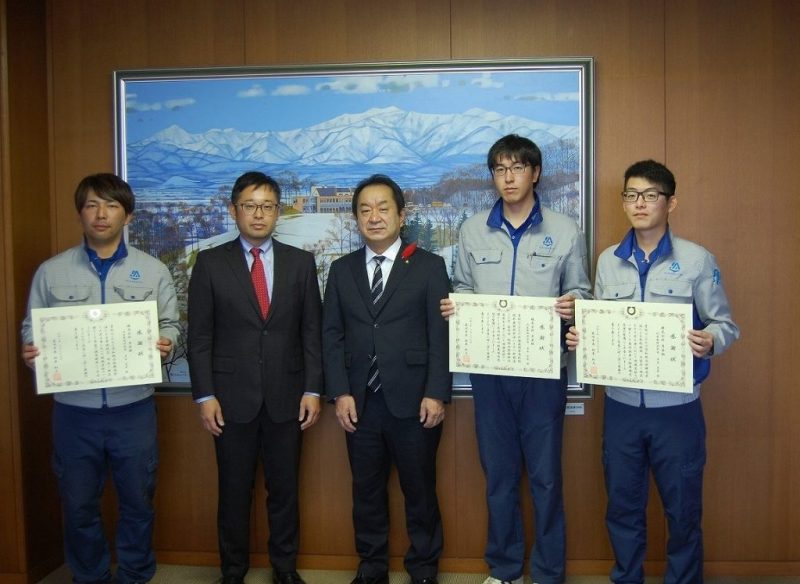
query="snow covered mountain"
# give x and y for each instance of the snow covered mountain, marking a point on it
(411, 146)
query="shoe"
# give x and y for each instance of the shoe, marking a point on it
(361, 579)
(428, 580)
(491, 580)
(287, 578)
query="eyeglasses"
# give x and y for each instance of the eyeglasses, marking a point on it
(250, 208)
(514, 168)
(648, 196)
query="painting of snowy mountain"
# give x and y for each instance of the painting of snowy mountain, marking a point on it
(184, 136)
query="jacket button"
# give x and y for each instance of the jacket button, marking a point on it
(375, 325)
(264, 333)
(670, 290)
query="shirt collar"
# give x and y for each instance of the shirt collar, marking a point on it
(390, 254)
(628, 245)
(264, 247)
(496, 218)
(120, 253)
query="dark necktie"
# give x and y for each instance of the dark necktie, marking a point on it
(377, 280)
(259, 281)
(373, 377)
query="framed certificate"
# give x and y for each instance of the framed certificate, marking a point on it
(505, 335)
(640, 345)
(95, 346)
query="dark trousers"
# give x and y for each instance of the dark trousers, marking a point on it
(87, 442)
(238, 450)
(671, 442)
(520, 420)
(380, 440)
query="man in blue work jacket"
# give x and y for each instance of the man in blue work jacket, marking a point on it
(659, 431)
(519, 247)
(97, 430)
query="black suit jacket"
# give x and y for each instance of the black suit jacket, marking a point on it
(241, 359)
(405, 328)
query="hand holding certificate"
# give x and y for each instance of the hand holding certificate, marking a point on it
(95, 346)
(505, 335)
(641, 345)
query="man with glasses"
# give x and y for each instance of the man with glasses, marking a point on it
(519, 247)
(256, 369)
(661, 431)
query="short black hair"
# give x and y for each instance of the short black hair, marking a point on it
(254, 179)
(655, 172)
(380, 179)
(516, 148)
(108, 187)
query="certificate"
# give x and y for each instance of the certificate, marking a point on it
(94, 346)
(640, 345)
(505, 335)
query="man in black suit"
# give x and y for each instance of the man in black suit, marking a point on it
(256, 369)
(386, 366)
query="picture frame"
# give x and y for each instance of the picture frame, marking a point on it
(182, 136)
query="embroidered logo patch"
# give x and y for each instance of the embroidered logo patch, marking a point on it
(716, 277)
(675, 267)
(548, 241)
(135, 275)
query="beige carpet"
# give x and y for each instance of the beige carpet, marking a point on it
(168, 574)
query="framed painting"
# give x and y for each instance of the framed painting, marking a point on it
(183, 137)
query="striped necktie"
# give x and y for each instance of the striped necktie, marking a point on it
(373, 376)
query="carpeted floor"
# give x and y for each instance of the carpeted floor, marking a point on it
(168, 574)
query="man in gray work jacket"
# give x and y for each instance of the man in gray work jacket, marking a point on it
(649, 430)
(95, 430)
(520, 248)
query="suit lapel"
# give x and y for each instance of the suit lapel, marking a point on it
(399, 271)
(280, 275)
(358, 270)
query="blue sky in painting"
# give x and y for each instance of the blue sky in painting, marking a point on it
(286, 102)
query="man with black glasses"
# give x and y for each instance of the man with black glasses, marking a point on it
(256, 369)
(519, 247)
(662, 431)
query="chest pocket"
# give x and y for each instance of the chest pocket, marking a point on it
(69, 294)
(619, 291)
(680, 290)
(133, 293)
(486, 256)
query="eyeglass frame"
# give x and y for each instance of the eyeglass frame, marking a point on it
(643, 194)
(267, 209)
(510, 168)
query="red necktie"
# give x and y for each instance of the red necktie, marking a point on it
(260, 281)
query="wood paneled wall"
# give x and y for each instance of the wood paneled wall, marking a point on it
(707, 86)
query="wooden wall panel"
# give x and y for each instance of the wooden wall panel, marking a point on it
(32, 507)
(84, 56)
(733, 138)
(346, 31)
